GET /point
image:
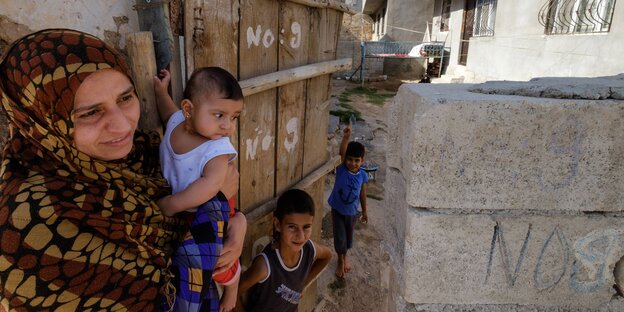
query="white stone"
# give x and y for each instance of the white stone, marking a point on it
(532, 260)
(463, 150)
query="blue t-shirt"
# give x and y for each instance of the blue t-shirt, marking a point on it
(345, 197)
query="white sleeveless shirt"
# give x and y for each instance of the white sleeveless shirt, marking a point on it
(180, 170)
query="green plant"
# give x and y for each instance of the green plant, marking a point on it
(375, 197)
(344, 115)
(371, 94)
(337, 284)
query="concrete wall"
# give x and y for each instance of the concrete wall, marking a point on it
(452, 36)
(504, 203)
(406, 20)
(519, 50)
(111, 20)
(412, 69)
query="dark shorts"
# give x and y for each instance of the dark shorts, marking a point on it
(343, 227)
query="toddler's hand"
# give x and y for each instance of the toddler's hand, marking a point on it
(161, 82)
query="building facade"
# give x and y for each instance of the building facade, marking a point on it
(520, 40)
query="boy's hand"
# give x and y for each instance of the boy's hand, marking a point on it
(347, 130)
(161, 83)
(364, 217)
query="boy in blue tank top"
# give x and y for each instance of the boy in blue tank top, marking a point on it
(349, 191)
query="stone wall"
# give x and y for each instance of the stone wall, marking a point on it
(505, 203)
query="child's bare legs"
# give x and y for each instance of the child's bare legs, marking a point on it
(340, 267)
(347, 265)
(228, 299)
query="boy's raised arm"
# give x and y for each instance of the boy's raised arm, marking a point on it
(164, 102)
(346, 134)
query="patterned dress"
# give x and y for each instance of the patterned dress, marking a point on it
(76, 233)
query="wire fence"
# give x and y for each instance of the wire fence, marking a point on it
(402, 49)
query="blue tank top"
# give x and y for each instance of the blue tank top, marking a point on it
(281, 290)
(345, 197)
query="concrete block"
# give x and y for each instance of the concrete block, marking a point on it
(501, 152)
(532, 260)
(619, 275)
(598, 88)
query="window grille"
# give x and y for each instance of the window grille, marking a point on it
(576, 16)
(485, 16)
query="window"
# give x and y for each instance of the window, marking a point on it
(576, 16)
(485, 15)
(446, 15)
(383, 22)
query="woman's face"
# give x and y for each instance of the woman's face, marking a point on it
(106, 113)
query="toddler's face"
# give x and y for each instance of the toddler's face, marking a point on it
(353, 163)
(215, 118)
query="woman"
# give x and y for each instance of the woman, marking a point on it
(79, 228)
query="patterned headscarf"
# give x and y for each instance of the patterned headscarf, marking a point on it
(75, 232)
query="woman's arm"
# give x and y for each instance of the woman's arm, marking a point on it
(233, 245)
(230, 185)
(164, 102)
(200, 191)
(323, 256)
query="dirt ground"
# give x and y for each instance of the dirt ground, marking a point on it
(361, 289)
(365, 287)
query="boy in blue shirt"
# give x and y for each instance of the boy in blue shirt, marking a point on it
(349, 190)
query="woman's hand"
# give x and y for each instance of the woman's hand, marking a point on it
(233, 245)
(230, 185)
(165, 205)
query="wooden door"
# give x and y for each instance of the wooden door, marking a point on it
(258, 56)
(294, 24)
(467, 30)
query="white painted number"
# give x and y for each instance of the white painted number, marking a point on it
(295, 41)
(291, 128)
(268, 38)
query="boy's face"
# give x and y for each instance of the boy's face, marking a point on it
(353, 163)
(214, 117)
(295, 229)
